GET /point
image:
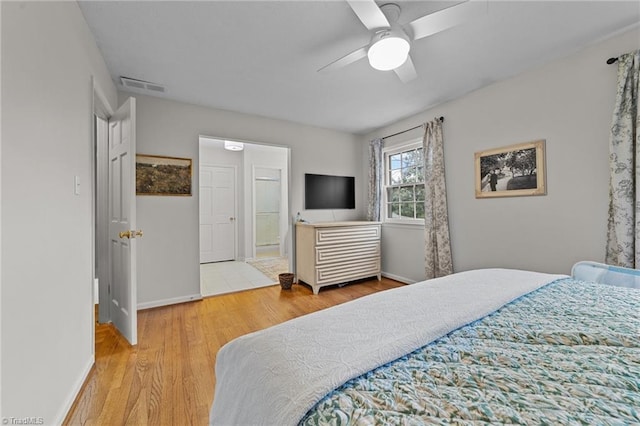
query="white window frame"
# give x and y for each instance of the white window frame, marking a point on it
(386, 152)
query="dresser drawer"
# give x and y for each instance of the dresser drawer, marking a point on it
(347, 234)
(343, 272)
(347, 252)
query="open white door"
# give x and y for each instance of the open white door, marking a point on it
(122, 221)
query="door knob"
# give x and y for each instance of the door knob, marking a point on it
(232, 219)
(130, 234)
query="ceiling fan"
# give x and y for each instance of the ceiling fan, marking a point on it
(390, 42)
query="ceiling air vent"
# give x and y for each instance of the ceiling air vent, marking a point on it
(133, 83)
(155, 87)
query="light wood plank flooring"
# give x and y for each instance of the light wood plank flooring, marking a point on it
(168, 379)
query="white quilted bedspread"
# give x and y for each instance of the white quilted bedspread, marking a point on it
(274, 376)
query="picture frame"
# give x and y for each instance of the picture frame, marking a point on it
(159, 175)
(511, 171)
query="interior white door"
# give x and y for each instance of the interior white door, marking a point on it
(217, 213)
(122, 221)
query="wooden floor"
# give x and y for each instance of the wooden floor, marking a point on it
(168, 378)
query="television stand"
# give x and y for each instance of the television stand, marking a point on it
(330, 253)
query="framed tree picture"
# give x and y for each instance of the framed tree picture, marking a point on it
(156, 175)
(511, 171)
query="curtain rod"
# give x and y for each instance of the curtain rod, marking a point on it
(408, 130)
(612, 61)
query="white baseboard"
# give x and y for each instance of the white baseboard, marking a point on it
(172, 301)
(398, 278)
(77, 387)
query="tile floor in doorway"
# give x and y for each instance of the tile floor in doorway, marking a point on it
(227, 277)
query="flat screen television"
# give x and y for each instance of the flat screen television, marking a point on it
(329, 192)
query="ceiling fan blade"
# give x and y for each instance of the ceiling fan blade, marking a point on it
(407, 71)
(447, 18)
(345, 60)
(369, 13)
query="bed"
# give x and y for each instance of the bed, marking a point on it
(483, 347)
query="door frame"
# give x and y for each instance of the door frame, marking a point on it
(99, 225)
(284, 208)
(288, 244)
(235, 204)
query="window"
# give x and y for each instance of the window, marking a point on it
(404, 183)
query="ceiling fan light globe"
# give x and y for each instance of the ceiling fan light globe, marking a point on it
(388, 53)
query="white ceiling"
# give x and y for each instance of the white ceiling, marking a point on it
(262, 57)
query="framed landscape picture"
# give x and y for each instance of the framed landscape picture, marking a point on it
(156, 175)
(511, 171)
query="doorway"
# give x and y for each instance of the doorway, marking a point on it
(101, 231)
(113, 216)
(261, 217)
(267, 212)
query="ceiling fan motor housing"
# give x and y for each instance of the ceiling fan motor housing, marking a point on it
(394, 31)
(391, 11)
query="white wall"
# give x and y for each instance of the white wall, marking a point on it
(168, 258)
(213, 154)
(569, 103)
(48, 59)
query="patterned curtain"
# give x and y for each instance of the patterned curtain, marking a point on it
(376, 172)
(623, 233)
(437, 253)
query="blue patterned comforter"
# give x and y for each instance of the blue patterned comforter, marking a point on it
(568, 353)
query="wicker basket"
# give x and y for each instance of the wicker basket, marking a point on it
(286, 280)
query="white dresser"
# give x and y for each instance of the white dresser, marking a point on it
(337, 252)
